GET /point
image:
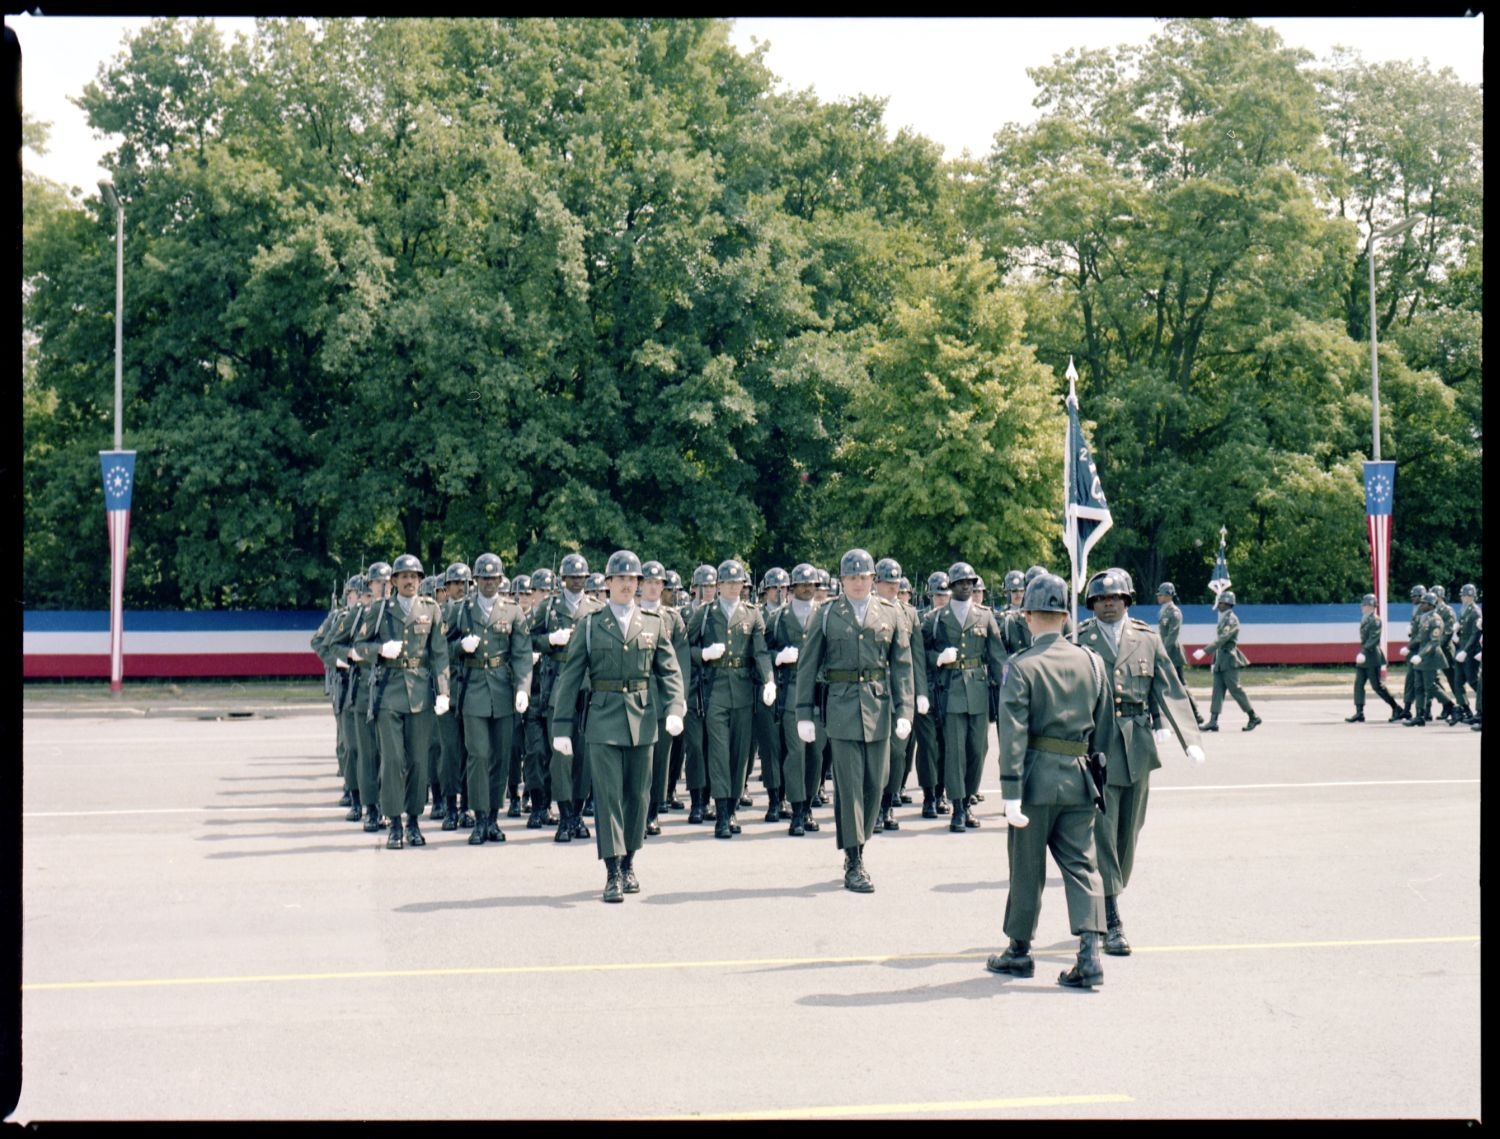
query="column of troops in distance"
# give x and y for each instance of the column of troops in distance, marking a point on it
(599, 693)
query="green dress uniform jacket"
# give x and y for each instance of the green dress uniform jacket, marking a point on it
(424, 653)
(743, 635)
(1431, 640)
(569, 777)
(1370, 641)
(1225, 645)
(1055, 707)
(1169, 631)
(879, 651)
(501, 664)
(625, 668)
(802, 763)
(981, 656)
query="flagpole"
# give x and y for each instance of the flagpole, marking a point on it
(1070, 534)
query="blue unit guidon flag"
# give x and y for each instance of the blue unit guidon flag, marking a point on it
(1086, 514)
(1220, 580)
(1380, 493)
(118, 470)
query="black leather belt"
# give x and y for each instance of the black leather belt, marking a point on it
(406, 662)
(485, 662)
(639, 684)
(1057, 747)
(1130, 708)
(726, 662)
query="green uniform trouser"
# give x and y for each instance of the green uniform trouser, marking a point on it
(727, 744)
(695, 762)
(450, 770)
(1117, 828)
(1369, 673)
(570, 775)
(1432, 685)
(405, 741)
(859, 774)
(537, 764)
(341, 752)
(1409, 688)
(926, 731)
(767, 744)
(661, 763)
(513, 774)
(963, 749)
(1228, 680)
(802, 764)
(348, 748)
(901, 758)
(622, 790)
(1466, 675)
(367, 744)
(490, 741)
(1069, 833)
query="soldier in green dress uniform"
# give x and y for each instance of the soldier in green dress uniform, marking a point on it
(1368, 662)
(860, 646)
(888, 581)
(1228, 660)
(628, 660)
(1055, 708)
(674, 628)
(1169, 630)
(552, 628)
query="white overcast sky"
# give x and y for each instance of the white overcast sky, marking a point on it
(955, 80)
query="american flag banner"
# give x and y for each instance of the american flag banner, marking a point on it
(1220, 580)
(1086, 514)
(1380, 493)
(118, 469)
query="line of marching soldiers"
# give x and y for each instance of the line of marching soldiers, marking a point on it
(1444, 652)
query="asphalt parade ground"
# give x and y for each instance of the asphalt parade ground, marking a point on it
(204, 938)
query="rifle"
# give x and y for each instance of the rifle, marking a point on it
(379, 674)
(785, 674)
(1096, 768)
(707, 674)
(463, 669)
(329, 671)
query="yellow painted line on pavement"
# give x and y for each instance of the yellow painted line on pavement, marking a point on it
(969, 1105)
(732, 963)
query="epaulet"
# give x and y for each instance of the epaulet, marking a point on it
(1137, 623)
(656, 613)
(1087, 623)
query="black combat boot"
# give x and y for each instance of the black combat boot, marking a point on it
(773, 805)
(1087, 971)
(587, 810)
(372, 818)
(796, 829)
(855, 877)
(1114, 941)
(436, 789)
(450, 813)
(1211, 726)
(465, 816)
(809, 824)
(346, 798)
(491, 826)
(710, 807)
(1397, 713)
(580, 828)
(394, 842)
(1016, 960)
(929, 803)
(888, 820)
(721, 821)
(885, 805)
(356, 812)
(695, 812)
(1357, 718)
(628, 881)
(413, 831)
(614, 889)
(1253, 723)
(514, 810)
(653, 826)
(942, 800)
(476, 836)
(564, 823)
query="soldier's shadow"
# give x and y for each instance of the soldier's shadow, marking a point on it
(677, 898)
(983, 986)
(531, 901)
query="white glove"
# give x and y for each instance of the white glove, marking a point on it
(440, 705)
(469, 643)
(1197, 654)
(523, 701)
(559, 636)
(1417, 659)
(563, 745)
(1162, 735)
(674, 725)
(903, 727)
(713, 651)
(1462, 656)
(340, 664)
(1013, 814)
(1359, 658)
(352, 657)
(923, 705)
(1195, 753)
(1405, 649)
(788, 655)
(390, 650)
(947, 656)
(768, 693)
(535, 657)
(807, 731)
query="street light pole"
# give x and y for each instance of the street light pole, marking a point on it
(1376, 235)
(117, 466)
(113, 200)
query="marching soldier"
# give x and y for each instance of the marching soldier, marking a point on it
(536, 756)
(674, 630)
(449, 788)
(407, 646)
(695, 755)
(1169, 630)
(520, 593)
(1228, 660)
(366, 739)
(1466, 668)
(1368, 662)
(1426, 658)
(551, 630)
(929, 729)
(1146, 690)
(494, 687)
(728, 638)
(628, 659)
(965, 647)
(888, 581)
(802, 763)
(764, 723)
(1055, 709)
(1450, 646)
(1409, 685)
(673, 597)
(859, 644)
(336, 669)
